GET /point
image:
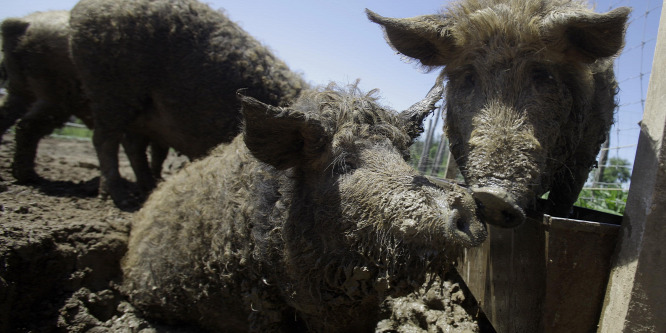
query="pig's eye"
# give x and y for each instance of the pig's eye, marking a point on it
(344, 166)
(468, 80)
(542, 76)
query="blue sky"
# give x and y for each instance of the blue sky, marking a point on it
(333, 41)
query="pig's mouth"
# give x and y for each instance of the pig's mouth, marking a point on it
(497, 207)
(461, 220)
(494, 205)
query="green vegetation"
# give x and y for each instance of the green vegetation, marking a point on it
(73, 132)
(617, 171)
(76, 132)
(611, 201)
(607, 194)
(431, 166)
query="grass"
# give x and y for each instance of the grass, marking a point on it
(612, 200)
(76, 132)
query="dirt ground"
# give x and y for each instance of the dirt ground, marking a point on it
(60, 247)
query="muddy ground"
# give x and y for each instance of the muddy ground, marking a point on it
(60, 247)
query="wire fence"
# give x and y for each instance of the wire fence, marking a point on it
(633, 68)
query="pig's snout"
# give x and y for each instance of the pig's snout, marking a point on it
(466, 227)
(497, 207)
(461, 220)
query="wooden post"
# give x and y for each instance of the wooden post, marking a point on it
(603, 159)
(451, 167)
(430, 133)
(423, 161)
(636, 298)
(441, 148)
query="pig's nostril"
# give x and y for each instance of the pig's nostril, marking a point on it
(457, 221)
(465, 228)
(460, 224)
(508, 217)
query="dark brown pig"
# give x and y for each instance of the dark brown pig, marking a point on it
(530, 94)
(168, 70)
(44, 91)
(307, 220)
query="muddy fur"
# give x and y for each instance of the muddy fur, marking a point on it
(531, 91)
(170, 69)
(306, 221)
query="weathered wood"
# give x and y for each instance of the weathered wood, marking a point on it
(441, 150)
(603, 159)
(451, 167)
(577, 268)
(548, 275)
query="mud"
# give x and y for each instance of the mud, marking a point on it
(60, 248)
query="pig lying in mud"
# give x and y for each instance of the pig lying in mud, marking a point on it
(530, 94)
(305, 222)
(169, 70)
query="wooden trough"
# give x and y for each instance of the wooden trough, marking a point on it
(548, 275)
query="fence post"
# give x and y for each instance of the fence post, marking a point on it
(603, 159)
(425, 154)
(635, 298)
(441, 147)
(451, 167)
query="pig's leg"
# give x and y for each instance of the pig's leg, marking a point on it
(40, 121)
(112, 118)
(13, 107)
(106, 145)
(135, 147)
(158, 154)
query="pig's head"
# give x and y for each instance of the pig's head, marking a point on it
(353, 194)
(529, 98)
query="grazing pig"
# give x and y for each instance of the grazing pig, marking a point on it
(307, 220)
(44, 92)
(530, 94)
(168, 69)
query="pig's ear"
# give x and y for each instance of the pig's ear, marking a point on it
(281, 137)
(425, 38)
(413, 117)
(13, 28)
(587, 36)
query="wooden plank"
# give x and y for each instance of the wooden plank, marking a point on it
(507, 276)
(577, 268)
(548, 275)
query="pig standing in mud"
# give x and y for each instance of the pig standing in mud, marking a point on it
(306, 221)
(44, 91)
(530, 94)
(168, 70)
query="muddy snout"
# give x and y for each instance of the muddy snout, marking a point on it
(497, 207)
(461, 221)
